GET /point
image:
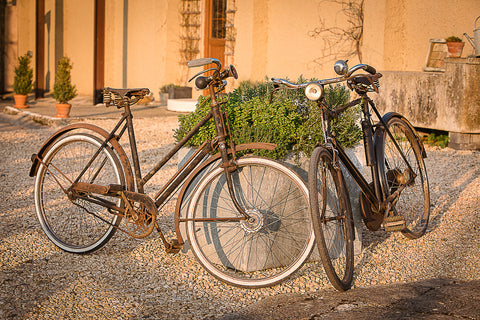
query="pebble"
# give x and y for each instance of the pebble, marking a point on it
(132, 279)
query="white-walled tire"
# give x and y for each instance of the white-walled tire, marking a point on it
(257, 253)
(75, 226)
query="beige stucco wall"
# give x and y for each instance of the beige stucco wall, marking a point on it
(397, 32)
(79, 42)
(273, 38)
(152, 44)
(25, 23)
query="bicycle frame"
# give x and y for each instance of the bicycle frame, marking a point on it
(188, 170)
(374, 194)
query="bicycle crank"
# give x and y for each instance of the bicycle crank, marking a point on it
(140, 214)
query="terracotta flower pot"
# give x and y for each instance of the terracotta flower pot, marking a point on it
(20, 101)
(63, 110)
(455, 49)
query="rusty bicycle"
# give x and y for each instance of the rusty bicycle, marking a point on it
(398, 196)
(247, 218)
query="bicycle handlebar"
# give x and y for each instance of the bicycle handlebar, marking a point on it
(218, 76)
(362, 66)
(345, 77)
(314, 89)
(203, 62)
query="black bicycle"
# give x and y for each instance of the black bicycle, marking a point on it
(397, 198)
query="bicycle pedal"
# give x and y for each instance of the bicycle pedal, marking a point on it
(175, 247)
(394, 224)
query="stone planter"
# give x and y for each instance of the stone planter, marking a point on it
(357, 156)
(447, 101)
(163, 98)
(179, 93)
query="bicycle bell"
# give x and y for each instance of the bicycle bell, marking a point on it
(341, 67)
(314, 91)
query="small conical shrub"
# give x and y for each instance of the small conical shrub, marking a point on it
(23, 80)
(63, 90)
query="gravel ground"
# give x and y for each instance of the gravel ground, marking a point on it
(132, 279)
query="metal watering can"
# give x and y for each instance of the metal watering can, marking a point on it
(476, 38)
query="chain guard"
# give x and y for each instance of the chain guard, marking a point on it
(140, 214)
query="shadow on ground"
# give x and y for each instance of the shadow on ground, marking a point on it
(427, 299)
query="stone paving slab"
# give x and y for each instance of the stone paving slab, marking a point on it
(43, 110)
(428, 299)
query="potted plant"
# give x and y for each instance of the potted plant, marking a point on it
(23, 81)
(63, 90)
(454, 46)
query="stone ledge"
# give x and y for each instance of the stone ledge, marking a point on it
(464, 141)
(45, 120)
(182, 105)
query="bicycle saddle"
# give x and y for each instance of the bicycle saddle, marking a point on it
(121, 97)
(128, 92)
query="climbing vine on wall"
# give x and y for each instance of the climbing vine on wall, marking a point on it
(231, 32)
(345, 41)
(190, 30)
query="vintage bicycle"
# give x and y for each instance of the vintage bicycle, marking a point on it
(398, 196)
(247, 221)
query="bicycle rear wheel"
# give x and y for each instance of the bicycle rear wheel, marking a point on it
(76, 225)
(332, 218)
(263, 251)
(414, 201)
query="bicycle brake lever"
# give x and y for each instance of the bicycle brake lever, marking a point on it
(202, 72)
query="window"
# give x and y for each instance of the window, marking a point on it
(219, 18)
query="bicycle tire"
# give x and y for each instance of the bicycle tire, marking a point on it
(332, 218)
(414, 201)
(67, 223)
(252, 254)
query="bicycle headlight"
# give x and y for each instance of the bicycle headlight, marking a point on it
(314, 91)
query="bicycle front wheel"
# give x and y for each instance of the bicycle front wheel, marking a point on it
(413, 203)
(262, 251)
(332, 218)
(76, 225)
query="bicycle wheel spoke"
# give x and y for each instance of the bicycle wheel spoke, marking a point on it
(265, 249)
(331, 217)
(76, 225)
(413, 202)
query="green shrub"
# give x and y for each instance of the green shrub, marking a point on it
(291, 121)
(164, 88)
(63, 90)
(23, 80)
(453, 39)
(440, 140)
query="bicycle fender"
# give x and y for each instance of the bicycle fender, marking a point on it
(390, 115)
(210, 160)
(36, 158)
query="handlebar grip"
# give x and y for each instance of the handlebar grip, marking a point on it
(200, 62)
(370, 69)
